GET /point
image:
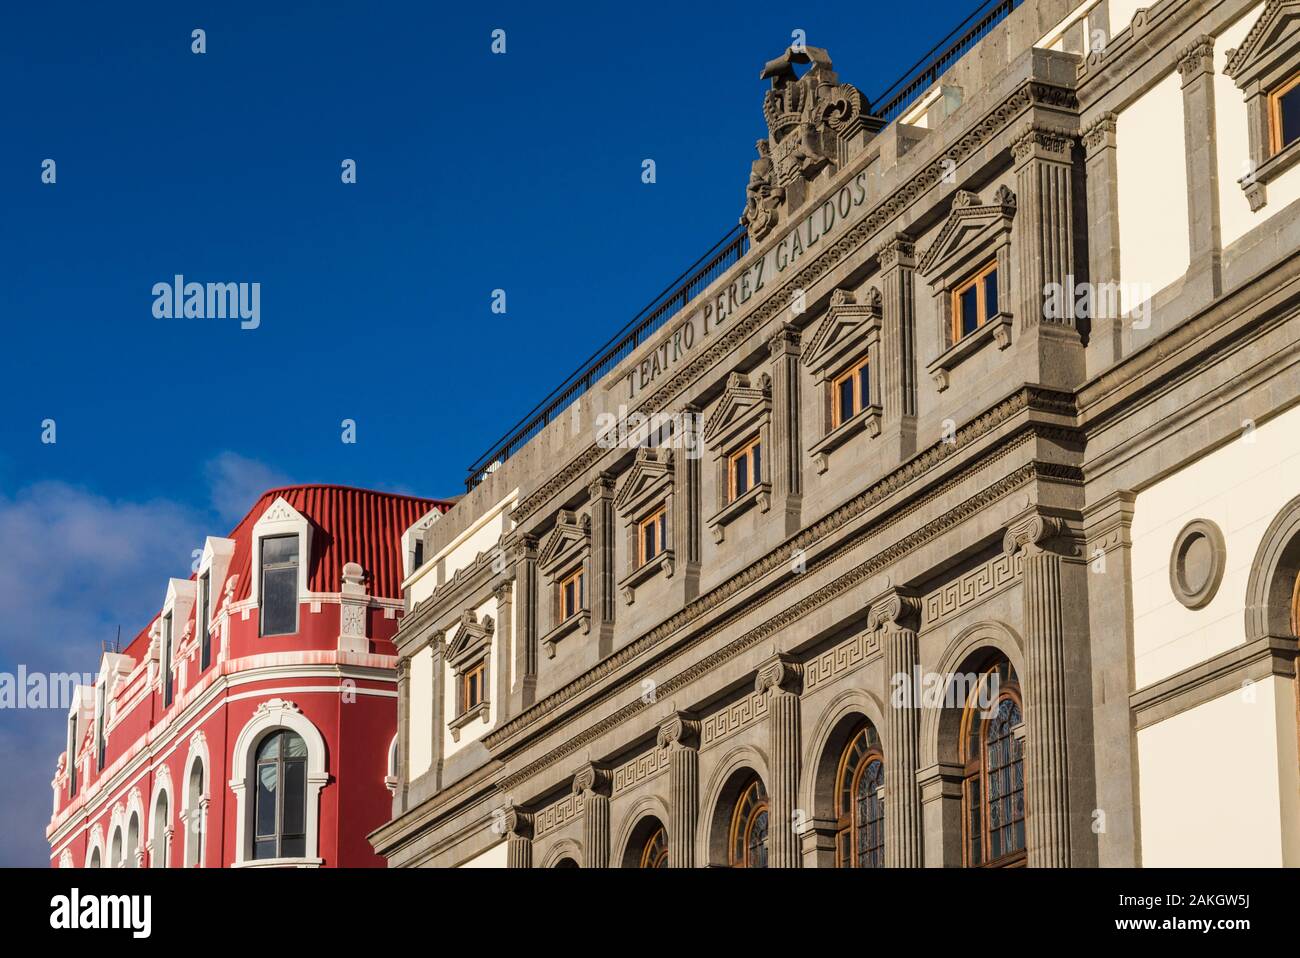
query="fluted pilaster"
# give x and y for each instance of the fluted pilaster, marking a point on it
(898, 616)
(519, 838)
(1047, 775)
(601, 491)
(787, 456)
(782, 679)
(1046, 246)
(680, 735)
(526, 645)
(593, 783)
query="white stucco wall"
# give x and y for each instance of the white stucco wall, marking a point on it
(1241, 487)
(1232, 145)
(1151, 179)
(1219, 783)
(421, 712)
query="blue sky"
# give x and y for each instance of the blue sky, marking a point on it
(475, 172)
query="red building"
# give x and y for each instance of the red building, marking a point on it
(253, 721)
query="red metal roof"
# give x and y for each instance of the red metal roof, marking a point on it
(348, 525)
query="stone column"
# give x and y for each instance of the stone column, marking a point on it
(504, 594)
(687, 518)
(1204, 273)
(519, 838)
(897, 372)
(601, 491)
(525, 692)
(680, 735)
(403, 734)
(782, 679)
(1105, 337)
(593, 783)
(787, 456)
(898, 616)
(1045, 260)
(437, 709)
(1047, 772)
(1107, 526)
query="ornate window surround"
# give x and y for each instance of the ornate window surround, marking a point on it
(647, 489)
(848, 331)
(1267, 58)
(745, 410)
(471, 648)
(281, 519)
(162, 789)
(179, 604)
(973, 234)
(271, 715)
(566, 549)
(215, 561)
(194, 857)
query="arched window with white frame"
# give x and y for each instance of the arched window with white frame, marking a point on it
(279, 768)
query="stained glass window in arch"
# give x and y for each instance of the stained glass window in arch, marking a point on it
(994, 777)
(749, 825)
(655, 853)
(859, 803)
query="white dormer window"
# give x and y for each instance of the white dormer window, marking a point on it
(279, 592)
(213, 566)
(101, 742)
(72, 750)
(281, 550)
(201, 615)
(168, 688)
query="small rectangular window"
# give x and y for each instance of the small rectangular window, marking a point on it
(279, 585)
(572, 595)
(473, 686)
(746, 469)
(101, 744)
(852, 393)
(975, 301)
(201, 616)
(1284, 115)
(167, 660)
(72, 754)
(652, 534)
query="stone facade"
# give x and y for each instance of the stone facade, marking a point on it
(1007, 503)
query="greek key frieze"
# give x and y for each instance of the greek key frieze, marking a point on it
(838, 659)
(738, 715)
(972, 587)
(558, 814)
(644, 766)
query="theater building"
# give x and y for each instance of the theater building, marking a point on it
(252, 722)
(951, 516)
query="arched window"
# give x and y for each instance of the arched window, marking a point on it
(859, 803)
(280, 809)
(160, 830)
(748, 845)
(565, 863)
(133, 841)
(95, 860)
(194, 817)
(115, 854)
(655, 852)
(993, 788)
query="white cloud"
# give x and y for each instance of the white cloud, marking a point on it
(74, 566)
(236, 481)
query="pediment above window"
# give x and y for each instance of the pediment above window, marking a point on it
(472, 640)
(745, 402)
(1273, 32)
(967, 232)
(844, 330)
(566, 544)
(647, 481)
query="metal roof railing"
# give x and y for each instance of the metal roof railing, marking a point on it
(727, 251)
